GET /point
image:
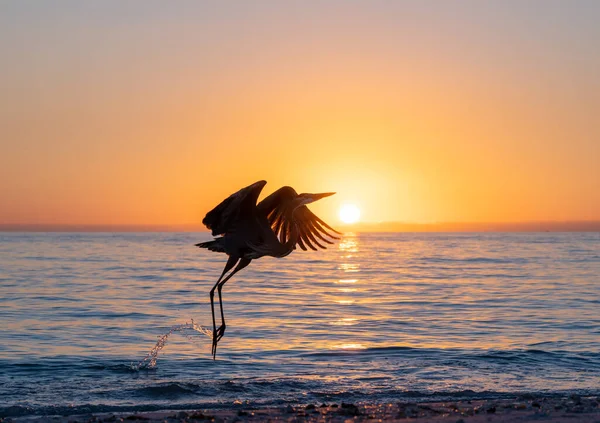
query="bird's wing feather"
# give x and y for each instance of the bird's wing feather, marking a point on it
(310, 227)
(222, 218)
(274, 204)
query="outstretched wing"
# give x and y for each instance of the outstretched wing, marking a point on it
(312, 230)
(222, 218)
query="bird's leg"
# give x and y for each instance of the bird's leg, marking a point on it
(243, 263)
(220, 331)
(230, 263)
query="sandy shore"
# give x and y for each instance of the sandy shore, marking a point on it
(571, 409)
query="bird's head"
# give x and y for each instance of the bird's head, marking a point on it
(304, 198)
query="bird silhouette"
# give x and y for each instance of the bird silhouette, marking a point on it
(246, 231)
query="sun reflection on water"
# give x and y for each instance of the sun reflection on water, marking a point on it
(349, 346)
(347, 321)
(347, 289)
(349, 266)
(347, 281)
(349, 244)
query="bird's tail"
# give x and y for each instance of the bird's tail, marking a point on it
(214, 245)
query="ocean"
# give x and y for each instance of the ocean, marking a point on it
(377, 317)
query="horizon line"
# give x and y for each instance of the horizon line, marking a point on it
(391, 226)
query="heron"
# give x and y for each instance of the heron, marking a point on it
(246, 231)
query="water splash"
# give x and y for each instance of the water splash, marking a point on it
(149, 361)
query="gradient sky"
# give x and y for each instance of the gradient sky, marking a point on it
(151, 112)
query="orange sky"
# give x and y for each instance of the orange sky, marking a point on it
(152, 112)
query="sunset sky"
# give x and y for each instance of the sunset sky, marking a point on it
(151, 112)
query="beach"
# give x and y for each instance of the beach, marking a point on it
(572, 409)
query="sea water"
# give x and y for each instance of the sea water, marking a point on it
(377, 317)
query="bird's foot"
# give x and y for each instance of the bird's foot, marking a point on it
(217, 335)
(214, 349)
(220, 332)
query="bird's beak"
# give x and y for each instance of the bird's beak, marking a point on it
(311, 198)
(319, 196)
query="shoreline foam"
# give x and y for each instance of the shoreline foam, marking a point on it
(571, 409)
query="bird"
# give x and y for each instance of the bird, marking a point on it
(246, 231)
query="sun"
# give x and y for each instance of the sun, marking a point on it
(349, 213)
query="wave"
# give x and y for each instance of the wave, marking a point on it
(513, 355)
(482, 260)
(169, 390)
(22, 410)
(273, 359)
